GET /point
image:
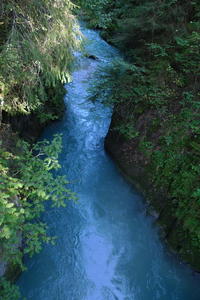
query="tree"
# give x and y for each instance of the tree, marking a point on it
(36, 51)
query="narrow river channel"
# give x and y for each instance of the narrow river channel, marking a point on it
(107, 247)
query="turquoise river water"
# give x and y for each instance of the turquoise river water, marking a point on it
(108, 248)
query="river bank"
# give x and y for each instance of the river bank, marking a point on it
(137, 169)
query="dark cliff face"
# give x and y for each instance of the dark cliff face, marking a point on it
(136, 168)
(29, 127)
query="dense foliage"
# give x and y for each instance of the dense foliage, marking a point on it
(8, 291)
(156, 93)
(37, 40)
(25, 184)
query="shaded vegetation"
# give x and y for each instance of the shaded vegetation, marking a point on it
(37, 40)
(156, 93)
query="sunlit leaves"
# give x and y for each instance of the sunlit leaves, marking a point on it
(24, 190)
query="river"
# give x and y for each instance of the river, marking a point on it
(107, 247)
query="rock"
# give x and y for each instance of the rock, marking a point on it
(91, 56)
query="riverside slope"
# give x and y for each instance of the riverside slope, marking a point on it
(107, 247)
